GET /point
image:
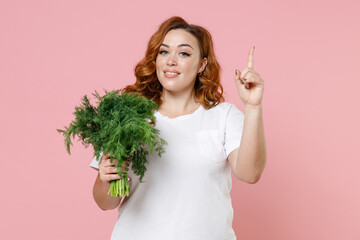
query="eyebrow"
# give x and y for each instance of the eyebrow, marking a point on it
(180, 45)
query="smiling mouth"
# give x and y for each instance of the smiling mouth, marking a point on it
(171, 74)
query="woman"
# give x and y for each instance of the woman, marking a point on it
(186, 193)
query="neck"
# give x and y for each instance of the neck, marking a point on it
(178, 104)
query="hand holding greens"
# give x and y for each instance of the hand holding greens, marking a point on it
(121, 125)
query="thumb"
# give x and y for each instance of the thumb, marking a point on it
(237, 73)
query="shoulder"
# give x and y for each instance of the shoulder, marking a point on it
(224, 107)
(223, 112)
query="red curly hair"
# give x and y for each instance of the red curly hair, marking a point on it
(208, 89)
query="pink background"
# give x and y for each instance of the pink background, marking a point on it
(54, 52)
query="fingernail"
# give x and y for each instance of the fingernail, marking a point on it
(246, 87)
(244, 79)
(242, 82)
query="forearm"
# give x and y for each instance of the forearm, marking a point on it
(251, 158)
(101, 197)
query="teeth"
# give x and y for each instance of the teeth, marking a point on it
(171, 73)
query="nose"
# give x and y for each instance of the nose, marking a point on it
(172, 61)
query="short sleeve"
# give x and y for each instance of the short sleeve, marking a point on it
(233, 129)
(95, 162)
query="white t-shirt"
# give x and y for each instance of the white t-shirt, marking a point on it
(186, 193)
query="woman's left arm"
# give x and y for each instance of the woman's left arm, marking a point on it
(248, 161)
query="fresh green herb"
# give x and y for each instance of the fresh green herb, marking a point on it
(121, 125)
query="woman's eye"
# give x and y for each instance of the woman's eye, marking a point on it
(185, 54)
(163, 52)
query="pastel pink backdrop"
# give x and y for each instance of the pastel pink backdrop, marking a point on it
(54, 52)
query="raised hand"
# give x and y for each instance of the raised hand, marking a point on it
(249, 84)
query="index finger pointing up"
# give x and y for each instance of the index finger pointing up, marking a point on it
(251, 57)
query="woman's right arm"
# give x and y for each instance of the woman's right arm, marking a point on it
(107, 172)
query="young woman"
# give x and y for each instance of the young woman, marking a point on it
(186, 193)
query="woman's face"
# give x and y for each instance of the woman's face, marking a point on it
(179, 61)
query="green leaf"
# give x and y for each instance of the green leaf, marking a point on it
(119, 124)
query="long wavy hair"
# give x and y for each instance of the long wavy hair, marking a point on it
(208, 89)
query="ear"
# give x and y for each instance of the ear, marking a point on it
(203, 64)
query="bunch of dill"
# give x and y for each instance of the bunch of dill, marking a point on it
(121, 125)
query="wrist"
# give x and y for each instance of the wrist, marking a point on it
(253, 108)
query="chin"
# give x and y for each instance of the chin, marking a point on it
(173, 85)
(169, 84)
